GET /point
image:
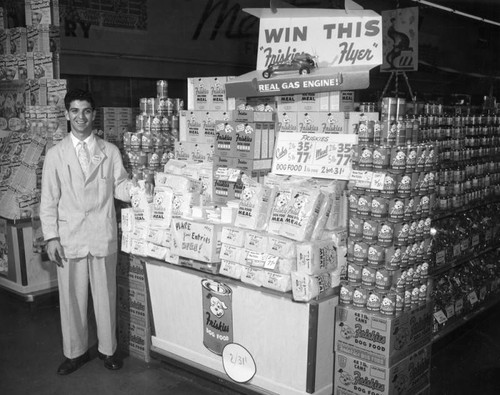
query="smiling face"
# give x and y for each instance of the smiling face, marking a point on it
(80, 115)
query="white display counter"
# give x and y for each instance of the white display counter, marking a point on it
(291, 344)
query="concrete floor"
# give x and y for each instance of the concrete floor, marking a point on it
(465, 362)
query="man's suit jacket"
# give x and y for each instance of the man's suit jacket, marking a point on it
(81, 211)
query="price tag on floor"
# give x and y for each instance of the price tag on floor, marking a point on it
(238, 363)
(440, 317)
(457, 250)
(450, 310)
(459, 305)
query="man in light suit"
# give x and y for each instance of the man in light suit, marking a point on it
(82, 175)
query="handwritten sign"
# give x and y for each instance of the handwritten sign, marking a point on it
(238, 363)
(318, 155)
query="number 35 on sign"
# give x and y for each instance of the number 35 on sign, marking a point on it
(319, 155)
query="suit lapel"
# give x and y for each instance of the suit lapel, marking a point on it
(96, 157)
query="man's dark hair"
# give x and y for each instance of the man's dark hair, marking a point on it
(78, 94)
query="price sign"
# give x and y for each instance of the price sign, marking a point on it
(473, 298)
(440, 257)
(465, 244)
(450, 310)
(362, 178)
(271, 262)
(238, 363)
(456, 250)
(319, 155)
(378, 181)
(440, 317)
(475, 240)
(227, 174)
(459, 305)
(482, 293)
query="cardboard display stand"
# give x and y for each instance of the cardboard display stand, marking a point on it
(27, 274)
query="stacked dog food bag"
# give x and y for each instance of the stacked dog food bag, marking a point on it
(283, 236)
(383, 322)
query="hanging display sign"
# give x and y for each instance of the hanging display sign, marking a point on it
(311, 50)
(400, 39)
(217, 315)
(319, 155)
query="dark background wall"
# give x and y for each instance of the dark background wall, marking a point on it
(121, 47)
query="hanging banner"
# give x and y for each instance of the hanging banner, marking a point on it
(400, 39)
(311, 50)
(217, 315)
(319, 155)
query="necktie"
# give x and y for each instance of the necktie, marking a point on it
(84, 157)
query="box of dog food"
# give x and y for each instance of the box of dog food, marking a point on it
(378, 339)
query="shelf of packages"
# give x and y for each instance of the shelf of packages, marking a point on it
(454, 263)
(462, 238)
(456, 313)
(439, 213)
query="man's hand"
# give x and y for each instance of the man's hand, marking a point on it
(55, 252)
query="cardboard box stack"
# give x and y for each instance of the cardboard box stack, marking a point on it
(134, 328)
(111, 123)
(383, 322)
(31, 104)
(322, 112)
(235, 135)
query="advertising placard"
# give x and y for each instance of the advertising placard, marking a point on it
(217, 315)
(318, 155)
(311, 50)
(400, 39)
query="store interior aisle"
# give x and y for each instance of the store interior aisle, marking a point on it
(31, 351)
(465, 362)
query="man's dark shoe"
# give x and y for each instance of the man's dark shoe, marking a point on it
(70, 365)
(111, 362)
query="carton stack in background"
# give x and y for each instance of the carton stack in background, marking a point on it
(134, 328)
(111, 123)
(31, 104)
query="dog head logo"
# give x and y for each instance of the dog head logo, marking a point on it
(281, 200)
(346, 331)
(247, 194)
(345, 378)
(217, 306)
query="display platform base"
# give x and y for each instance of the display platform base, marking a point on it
(26, 293)
(27, 273)
(290, 343)
(202, 371)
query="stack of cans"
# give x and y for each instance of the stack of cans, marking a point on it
(151, 145)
